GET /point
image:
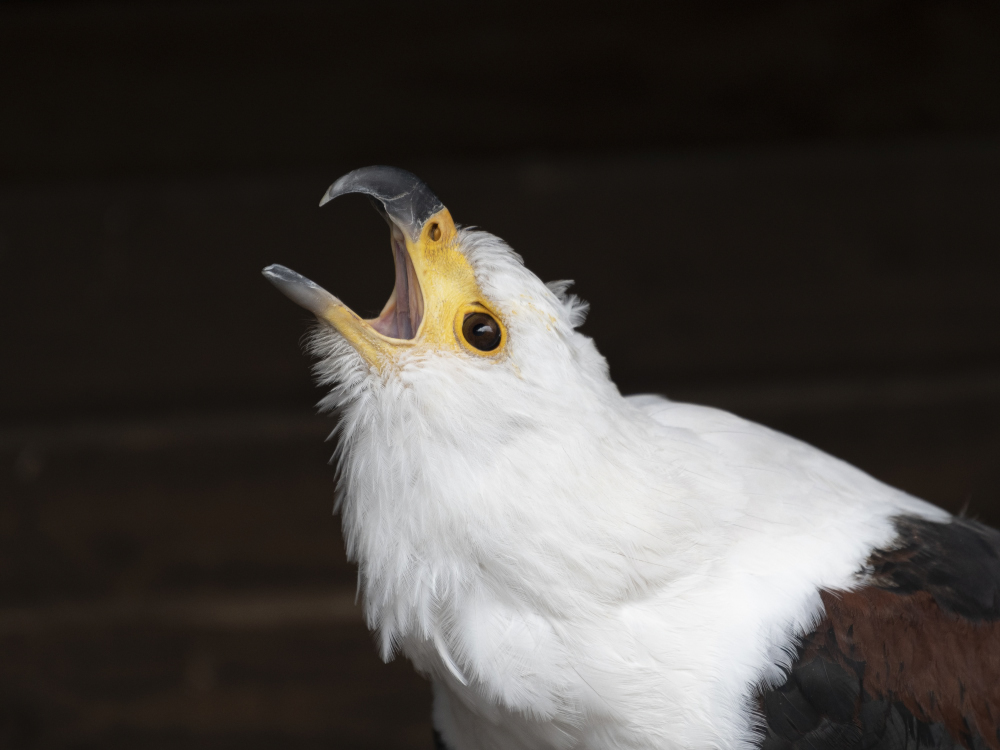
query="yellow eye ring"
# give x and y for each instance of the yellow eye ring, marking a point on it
(480, 330)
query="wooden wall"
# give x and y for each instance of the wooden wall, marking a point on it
(786, 212)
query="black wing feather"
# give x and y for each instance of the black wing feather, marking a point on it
(949, 575)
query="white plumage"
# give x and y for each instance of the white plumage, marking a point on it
(570, 567)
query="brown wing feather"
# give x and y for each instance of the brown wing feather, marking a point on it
(910, 661)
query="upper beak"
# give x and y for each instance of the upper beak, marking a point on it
(407, 202)
(419, 225)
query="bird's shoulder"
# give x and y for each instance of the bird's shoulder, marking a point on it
(708, 422)
(775, 467)
(908, 660)
(710, 425)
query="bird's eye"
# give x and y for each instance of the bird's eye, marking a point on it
(434, 232)
(481, 331)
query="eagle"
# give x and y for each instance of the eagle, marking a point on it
(575, 568)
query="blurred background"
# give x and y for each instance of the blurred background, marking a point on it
(789, 210)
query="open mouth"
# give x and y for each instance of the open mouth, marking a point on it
(401, 316)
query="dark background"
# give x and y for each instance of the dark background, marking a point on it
(784, 209)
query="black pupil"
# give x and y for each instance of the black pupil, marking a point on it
(481, 331)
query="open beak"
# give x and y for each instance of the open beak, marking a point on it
(432, 275)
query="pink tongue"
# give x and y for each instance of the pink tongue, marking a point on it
(404, 328)
(401, 316)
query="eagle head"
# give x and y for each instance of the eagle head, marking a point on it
(473, 416)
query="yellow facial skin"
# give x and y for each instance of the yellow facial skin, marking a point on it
(449, 291)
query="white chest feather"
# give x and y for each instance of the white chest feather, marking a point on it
(622, 582)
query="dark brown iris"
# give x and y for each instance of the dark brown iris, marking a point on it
(481, 331)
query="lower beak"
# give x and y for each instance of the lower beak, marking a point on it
(396, 325)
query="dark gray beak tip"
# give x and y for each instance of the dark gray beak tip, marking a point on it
(407, 201)
(299, 289)
(276, 272)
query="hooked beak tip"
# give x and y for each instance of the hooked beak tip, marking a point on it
(299, 289)
(276, 273)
